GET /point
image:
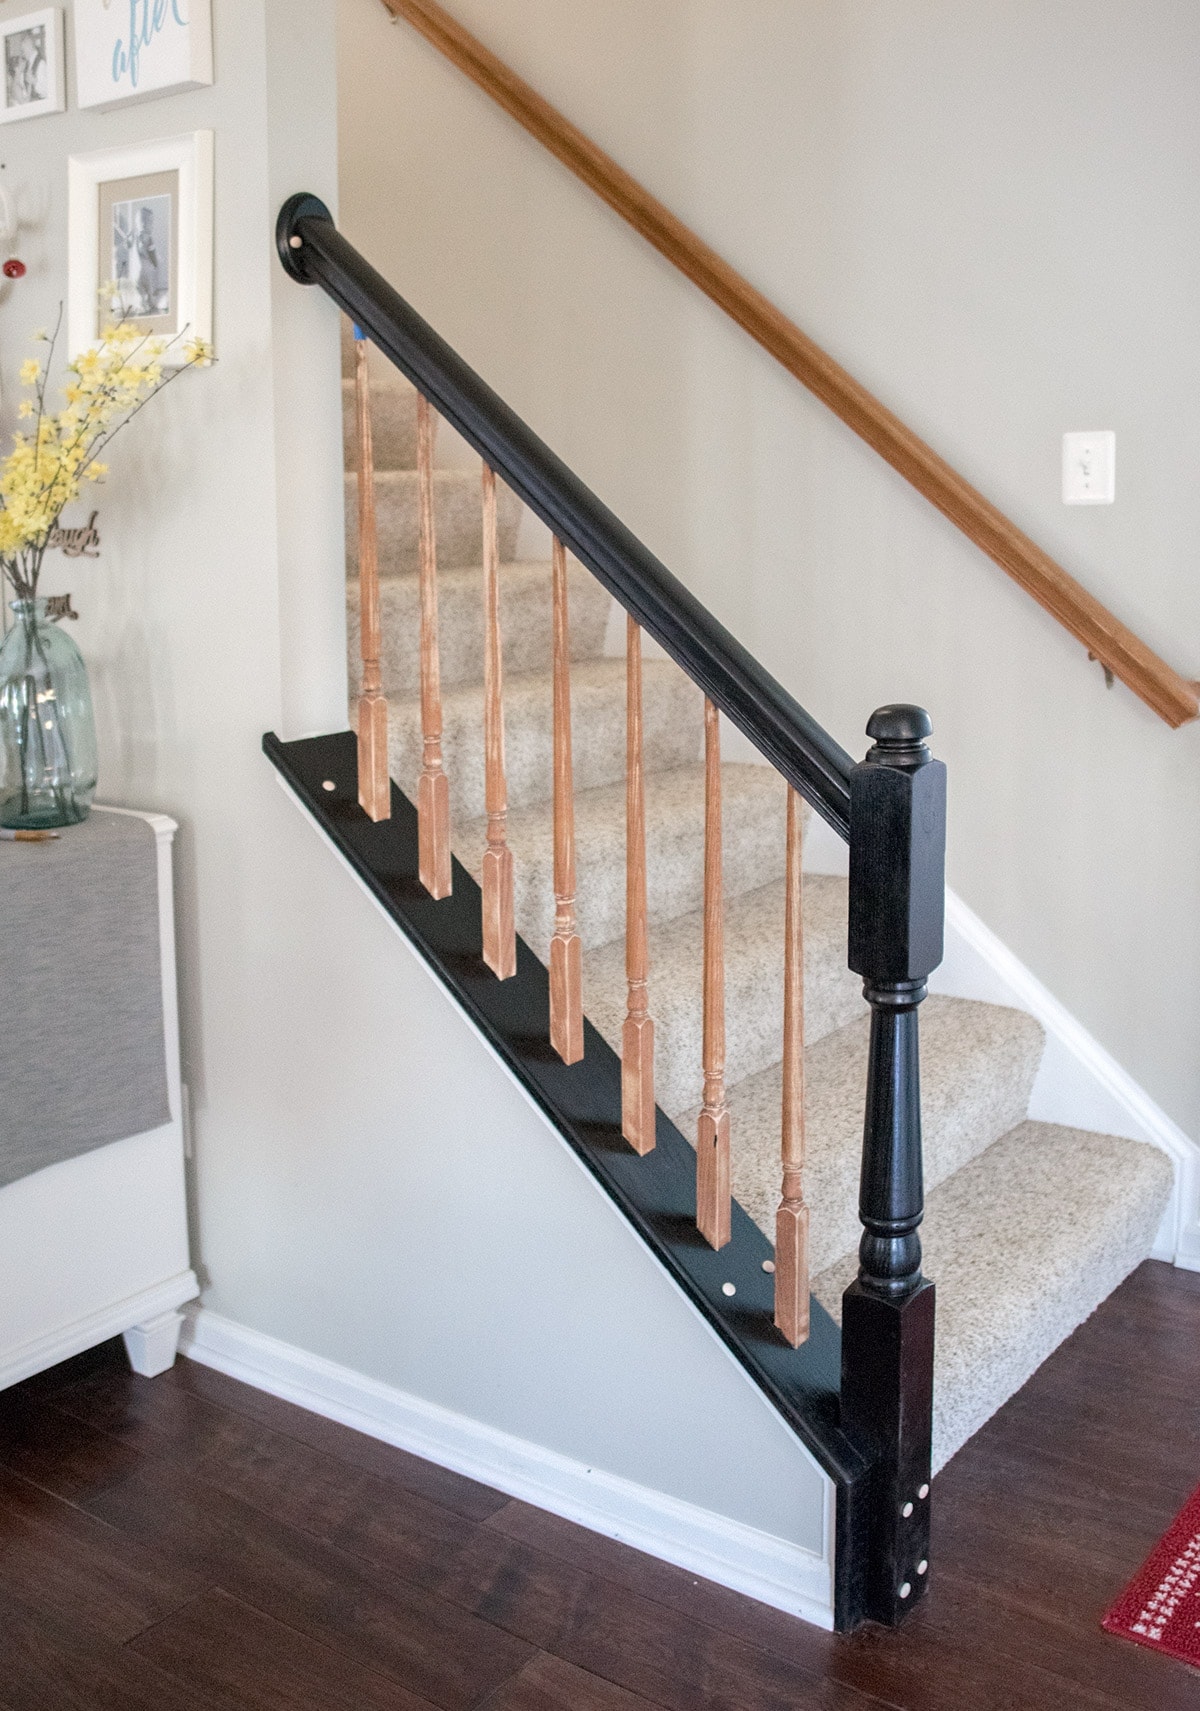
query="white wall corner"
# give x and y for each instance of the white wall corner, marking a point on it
(306, 377)
(772, 1570)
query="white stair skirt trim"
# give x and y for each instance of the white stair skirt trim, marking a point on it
(1079, 1083)
(112, 1321)
(766, 1568)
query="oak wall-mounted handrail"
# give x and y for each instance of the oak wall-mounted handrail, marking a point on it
(1100, 631)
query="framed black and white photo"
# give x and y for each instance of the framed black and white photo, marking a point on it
(140, 239)
(139, 242)
(31, 59)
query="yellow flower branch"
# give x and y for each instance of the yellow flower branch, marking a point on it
(110, 383)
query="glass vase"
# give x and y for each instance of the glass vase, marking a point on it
(47, 728)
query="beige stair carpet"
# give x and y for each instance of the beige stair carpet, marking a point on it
(1023, 1244)
(1028, 1227)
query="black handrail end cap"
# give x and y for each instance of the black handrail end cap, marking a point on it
(302, 206)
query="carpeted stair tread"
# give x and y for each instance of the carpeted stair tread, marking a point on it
(978, 1063)
(673, 712)
(458, 520)
(393, 424)
(525, 618)
(753, 847)
(753, 985)
(1023, 1244)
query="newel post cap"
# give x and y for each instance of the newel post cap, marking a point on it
(897, 851)
(898, 732)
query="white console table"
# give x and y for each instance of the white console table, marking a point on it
(97, 1243)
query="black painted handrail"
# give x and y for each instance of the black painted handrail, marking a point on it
(314, 252)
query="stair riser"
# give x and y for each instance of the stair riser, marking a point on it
(673, 715)
(753, 991)
(458, 520)
(393, 426)
(525, 617)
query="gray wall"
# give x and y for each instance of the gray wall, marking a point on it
(987, 213)
(369, 1185)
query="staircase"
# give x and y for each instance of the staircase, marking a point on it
(1028, 1226)
(677, 994)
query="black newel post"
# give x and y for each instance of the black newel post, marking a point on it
(897, 905)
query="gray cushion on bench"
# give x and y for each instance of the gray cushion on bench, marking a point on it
(82, 1056)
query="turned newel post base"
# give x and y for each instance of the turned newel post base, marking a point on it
(897, 891)
(888, 1314)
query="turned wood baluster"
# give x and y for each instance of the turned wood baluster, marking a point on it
(433, 787)
(499, 930)
(374, 785)
(637, 1037)
(713, 1211)
(791, 1220)
(566, 949)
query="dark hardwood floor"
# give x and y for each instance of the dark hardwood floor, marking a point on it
(185, 1543)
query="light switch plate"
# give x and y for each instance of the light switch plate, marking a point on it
(1089, 468)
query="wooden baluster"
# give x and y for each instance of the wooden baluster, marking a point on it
(374, 785)
(499, 930)
(637, 1038)
(433, 787)
(713, 1212)
(566, 947)
(791, 1220)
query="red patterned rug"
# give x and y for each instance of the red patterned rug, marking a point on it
(1160, 1607)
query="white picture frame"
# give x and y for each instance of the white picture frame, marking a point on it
(32, 73)
(140, 216)
(135, 52)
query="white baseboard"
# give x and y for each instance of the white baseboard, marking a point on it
(771, 1570)
(110, 1321)
(1079, 1084)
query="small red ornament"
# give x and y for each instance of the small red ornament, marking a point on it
(14, 269)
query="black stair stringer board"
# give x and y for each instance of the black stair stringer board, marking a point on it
(657, 1193)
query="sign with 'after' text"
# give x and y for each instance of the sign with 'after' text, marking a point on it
(129, 50)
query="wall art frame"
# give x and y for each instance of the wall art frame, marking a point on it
(32, 65)
(139, 236)
(140, 49)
